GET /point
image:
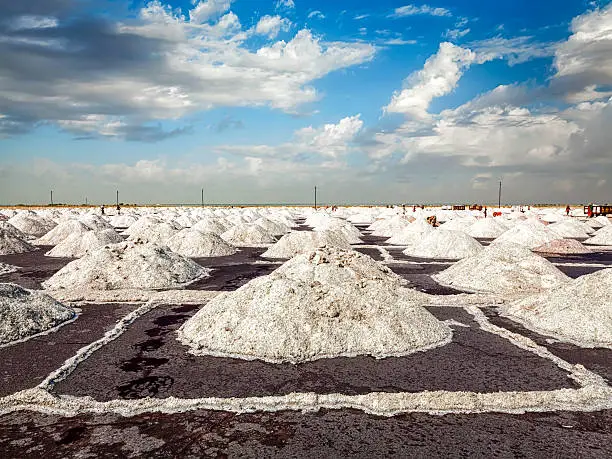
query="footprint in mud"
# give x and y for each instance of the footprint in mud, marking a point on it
(148, 386)
(142, 363)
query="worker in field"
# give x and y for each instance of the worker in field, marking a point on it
(485, 211)
(590, 210)
(567, 210)
(102, 209)
(118, 209)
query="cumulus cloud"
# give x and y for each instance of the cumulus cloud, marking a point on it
(412, 10)
(162, 65)
(272, 25)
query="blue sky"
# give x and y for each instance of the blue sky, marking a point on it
(258, 101)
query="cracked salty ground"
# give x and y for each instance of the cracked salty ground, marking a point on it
(117, 381)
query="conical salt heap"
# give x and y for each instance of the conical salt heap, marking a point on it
(563, 247)
(528, 234)
(248, 235)
(503, 269)
(411, 234)
(62, 231)
(298, 242)
(158, 233)
(78, 244)
(6, 269)
(127, 265)
(444, 244)
(11, 244)
(31, 224)
(24, 313)
(579, 312)
(193, 243)
(601, 237)
(323, 304)
(486, 228)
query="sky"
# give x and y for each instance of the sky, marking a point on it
(258, 101)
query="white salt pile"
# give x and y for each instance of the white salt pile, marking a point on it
(24, 313)
(158, 233)
(571, 228)
(528, 234)
(411, 234)
(78, 244)
(322, 304)
(12, 231)
(601, 237)
(62, 231)
(122, 221)
(298, 242)
(563, 247)
(6, 269)
(342, 228)
(31, 224)
(579, 312)
(503, 269)
(127, 265)
(191, 242)
(272, 227)
(445, 244)
(390, 226)
(486, 228)
(459, 224)
(11, 244)
(248, 235)
(95, 222)
(212, 225)
(143, 222)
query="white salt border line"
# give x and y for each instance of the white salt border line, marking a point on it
(45, 332)
(594, 265)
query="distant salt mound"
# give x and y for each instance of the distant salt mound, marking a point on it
(486, 228)
(390, 226)
(248, 235)
(143, 222)
(322, 304)
(503, 269)
(212, 225)
(31, 224)
(459, 224)
(62, 231)
(571, 228)
(78, 244)
(7, 269)
(11, 244)
(411, 234)
(563, 247)
(24, 313)
(361, 219)
(528, 235)
(298, 242)
(445, 244)
(158, 233)
(127, 265)
(12, 231)
(601, 237)
(272, 227)
(341, 227)
(96, 222)
(122, 221)
(193, 243)
(602, 220)
(578, 312)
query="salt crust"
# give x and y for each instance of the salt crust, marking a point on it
(248, 235)
(578, 312)
(11, 244)
(528, 234)
(563, 247)
(503, 269)
(191, 242)
(298, 242)
(24, 313)
(78, 244)
(486, 228)
(127, 265)
(443, 244)
(322, 304)
(601, 237)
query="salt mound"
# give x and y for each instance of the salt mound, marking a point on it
(528, 234)
(212, 225)
(95, 222)
(601, 237)
(486, 228)
(322, 304)
(143, 222)
(411, 234)
(12, 231)
(571, 228)
(563, 247)
(10, 244)
(122, 221)
(193, 243)
(445, 244)
(298, 242)
(78, 244)
(390, 226)
(272, 227)
(342, 228)
(503, 269)
(248, 235)
(602, 220)
(158, 233)
(459, 224)
(579, 312)
(24, 313)
(62, 231)
(127, 265)
(6, 269)
(31, 224)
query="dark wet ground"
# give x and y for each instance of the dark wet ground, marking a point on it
(35, 268)
(323, 434)
(147, 360)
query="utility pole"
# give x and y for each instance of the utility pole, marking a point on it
(315, 197)
(202, 197)
(117, 197)
(51, 197)
(499, 197)
(85, 200)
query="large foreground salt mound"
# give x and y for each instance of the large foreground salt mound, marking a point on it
(24, 313)
(563, 247)
(579, 311)
(601, 237)
(503, 269)
(298, 242)
(445, 244)
(10, 244)
(322, 304)
(193, 243)
(78, 244)
(127, 265)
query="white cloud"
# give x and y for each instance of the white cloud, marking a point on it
(359, 17)
(412, 10)
(29, 22)
(285, 4)
(399, 42)
(206, 10)
(517, 50)
(272, 25)
(456, 34)
(316, 14)
(438, 77)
